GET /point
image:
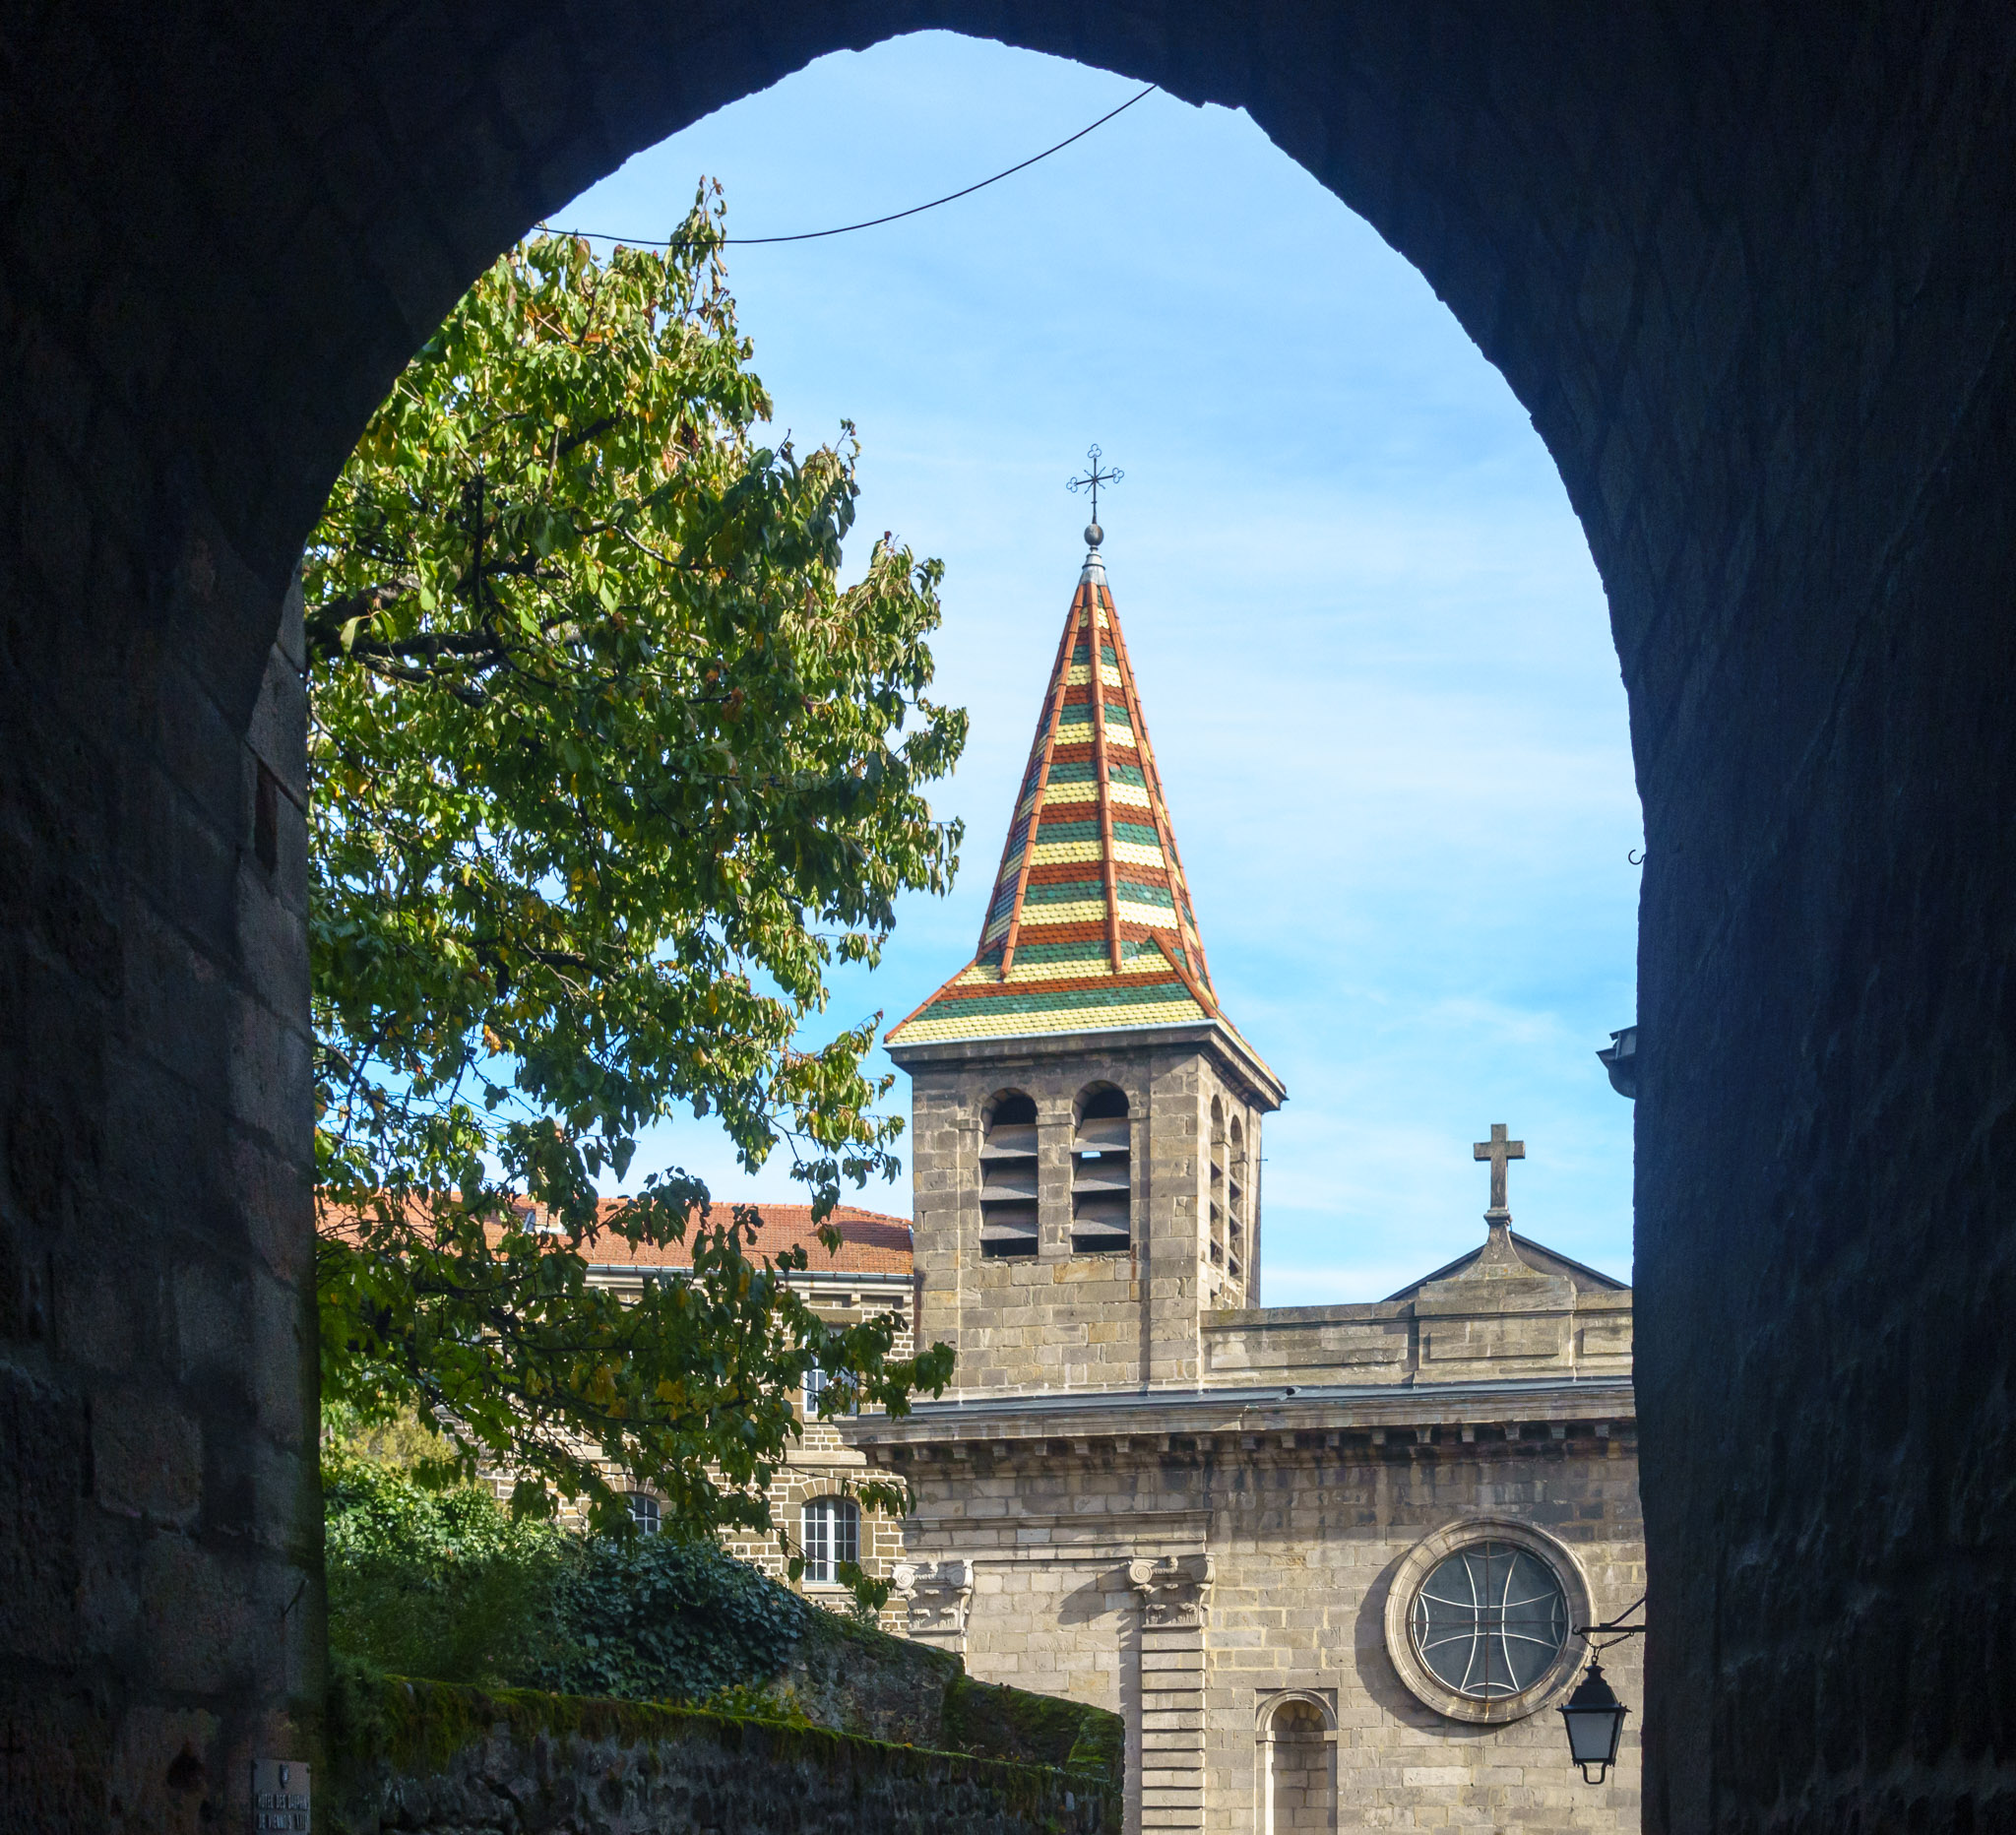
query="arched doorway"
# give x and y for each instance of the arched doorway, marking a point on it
(1750, 274)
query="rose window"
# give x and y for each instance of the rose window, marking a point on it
(1490, 1620)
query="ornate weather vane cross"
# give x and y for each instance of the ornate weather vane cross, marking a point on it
(1094, 477)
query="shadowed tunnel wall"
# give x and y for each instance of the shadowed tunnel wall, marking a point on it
(1751, 270)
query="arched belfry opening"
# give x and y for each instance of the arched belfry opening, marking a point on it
(1214, 1201)
(1235, 1180)
(1008, 1176)
(1750, 271)
(1102, 1173)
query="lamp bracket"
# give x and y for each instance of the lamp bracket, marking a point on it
(1617, 1628)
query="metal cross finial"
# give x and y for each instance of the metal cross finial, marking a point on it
(1498, 1150)
(1094, 477)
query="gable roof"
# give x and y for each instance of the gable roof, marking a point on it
(1537, 1256)
(1090, 926)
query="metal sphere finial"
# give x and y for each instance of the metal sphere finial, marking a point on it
(1093, 534)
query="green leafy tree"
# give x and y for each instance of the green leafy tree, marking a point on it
(607, 772)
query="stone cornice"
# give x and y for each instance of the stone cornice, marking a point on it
(1237, 1061)
(1249, 1421)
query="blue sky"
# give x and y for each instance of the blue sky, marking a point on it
(1372, 648)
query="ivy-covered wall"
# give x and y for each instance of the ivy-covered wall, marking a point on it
(429, 1759)
(443, 1584)
(863, 1681)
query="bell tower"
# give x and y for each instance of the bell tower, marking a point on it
(1085, 1134)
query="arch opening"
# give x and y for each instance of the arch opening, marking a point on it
(1008, 1177)
(1297, 1766)
(1662, 334)
(1102, 1171)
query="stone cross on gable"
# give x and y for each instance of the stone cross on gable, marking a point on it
(1498, 1151)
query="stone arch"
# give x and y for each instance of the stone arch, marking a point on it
(1011, 1106)
(1295, 1767)
(1102, 1170)
(1748, 269)
(1008, 1176)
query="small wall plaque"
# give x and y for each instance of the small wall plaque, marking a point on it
(280, 1797)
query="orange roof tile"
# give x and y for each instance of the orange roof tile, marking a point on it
(871, 1241)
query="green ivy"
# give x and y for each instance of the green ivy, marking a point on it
(445, 1583)
(655, 1620)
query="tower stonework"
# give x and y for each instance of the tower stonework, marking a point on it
(1329, 1562)
(1085, 1121)
(1060, 1317)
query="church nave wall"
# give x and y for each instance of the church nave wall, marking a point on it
(1306, 1545)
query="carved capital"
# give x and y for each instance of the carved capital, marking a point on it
(938, 1594)
(1173, 1590)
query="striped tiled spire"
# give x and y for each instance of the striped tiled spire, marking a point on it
(1089, 927)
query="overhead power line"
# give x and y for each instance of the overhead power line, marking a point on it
(873, 223)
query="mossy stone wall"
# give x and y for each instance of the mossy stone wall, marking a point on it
(432, 1759)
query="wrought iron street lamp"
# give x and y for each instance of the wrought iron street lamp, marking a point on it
(1592, 1714)
(1594, 1719)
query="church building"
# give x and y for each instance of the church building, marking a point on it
(1331, 1563)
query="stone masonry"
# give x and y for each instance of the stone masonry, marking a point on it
(1750, 271)
(1060, 1320)
(1214, 1519)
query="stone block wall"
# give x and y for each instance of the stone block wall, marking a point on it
(161, 1573)
(442, 1761)
(819, 1466)
(1060, 1319)
(1303, 1541)
(1446, 1339)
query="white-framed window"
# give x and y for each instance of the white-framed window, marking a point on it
(818, 1382)
(643, 1510)
(830, 1530)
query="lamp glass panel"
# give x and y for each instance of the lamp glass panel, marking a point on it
(1593, 1733)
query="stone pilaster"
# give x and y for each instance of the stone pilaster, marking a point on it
(938, 1594)
(1170, 1739)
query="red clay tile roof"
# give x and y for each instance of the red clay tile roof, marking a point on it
(871, 1241)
